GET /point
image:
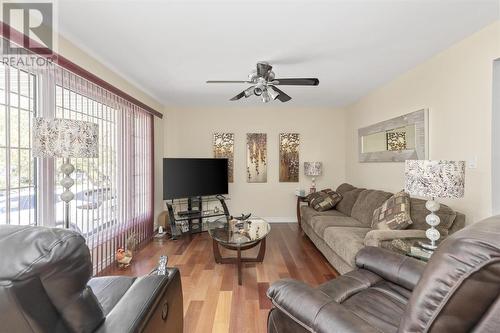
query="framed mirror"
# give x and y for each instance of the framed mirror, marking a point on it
(395, 140)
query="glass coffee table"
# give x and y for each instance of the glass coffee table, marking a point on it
(238, 236)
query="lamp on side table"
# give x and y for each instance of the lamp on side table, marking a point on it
(313, 169)
(434, 179)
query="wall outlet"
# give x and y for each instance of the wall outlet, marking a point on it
(472, 163)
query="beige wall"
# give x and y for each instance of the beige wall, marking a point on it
(189, 134)
(83, 59)
(456, 86)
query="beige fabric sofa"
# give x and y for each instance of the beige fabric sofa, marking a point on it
(341, 232)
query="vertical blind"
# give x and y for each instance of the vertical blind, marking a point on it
(113, 192)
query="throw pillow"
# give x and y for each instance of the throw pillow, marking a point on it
(394, 213)
(324, 199)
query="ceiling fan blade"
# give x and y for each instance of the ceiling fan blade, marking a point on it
(237, 97)
(297, 82)
(282, 97)
(226, 81)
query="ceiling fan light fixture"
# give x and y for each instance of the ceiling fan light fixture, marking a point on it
(265, 84)
(249, 92)
(272, 93)
(270, 76)
(252, 77)
(258, 90)
(265, 96)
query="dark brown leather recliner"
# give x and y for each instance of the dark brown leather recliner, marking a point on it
(45, 288)
(457, 291)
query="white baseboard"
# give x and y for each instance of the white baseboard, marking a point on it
(281, 219)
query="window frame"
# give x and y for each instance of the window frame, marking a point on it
(32, 110)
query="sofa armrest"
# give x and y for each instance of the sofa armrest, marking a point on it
(399, 269)
(375, 237)
(314, 310)
(153, 303)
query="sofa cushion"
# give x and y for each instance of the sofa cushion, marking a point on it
(319, 222)
(394, 213)
(367, 202)
(308, 212)
(381, 305)
(352, 282)
(345, 241)
(348, 198)
(343, 188)
(323, 200)
(419, 212)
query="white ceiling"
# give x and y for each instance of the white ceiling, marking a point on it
(170, 48)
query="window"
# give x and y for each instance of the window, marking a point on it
(113, 192)
(17, 167)
(94, 206)
(94, 211)
(95, 203)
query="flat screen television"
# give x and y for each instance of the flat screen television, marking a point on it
(192, 177)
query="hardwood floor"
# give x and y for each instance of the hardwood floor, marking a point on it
(213, 301)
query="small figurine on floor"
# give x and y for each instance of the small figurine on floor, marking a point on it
(124, 256)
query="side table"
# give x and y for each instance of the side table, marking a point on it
(300, 199)
(418, 253)
(410, 248)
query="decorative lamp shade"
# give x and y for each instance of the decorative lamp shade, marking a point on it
(65, 138)
(435, 179)
(312, 168)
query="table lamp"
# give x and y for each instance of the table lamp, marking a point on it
(434, 179)
(65, 138)
(312, 169)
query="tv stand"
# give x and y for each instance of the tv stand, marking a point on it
(193, 215)
(187, 213)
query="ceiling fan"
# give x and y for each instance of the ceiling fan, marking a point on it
(264, 84)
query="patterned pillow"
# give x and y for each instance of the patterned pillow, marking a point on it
(324, 199)
(394, 213)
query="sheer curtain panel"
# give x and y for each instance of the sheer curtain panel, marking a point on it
(113, 203)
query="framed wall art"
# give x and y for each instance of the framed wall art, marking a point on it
(289, 157)
(223, 146)
(256, 157)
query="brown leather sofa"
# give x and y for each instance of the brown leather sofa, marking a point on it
(457, 291)
(45, 288)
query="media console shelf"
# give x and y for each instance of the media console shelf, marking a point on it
(194, 215)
